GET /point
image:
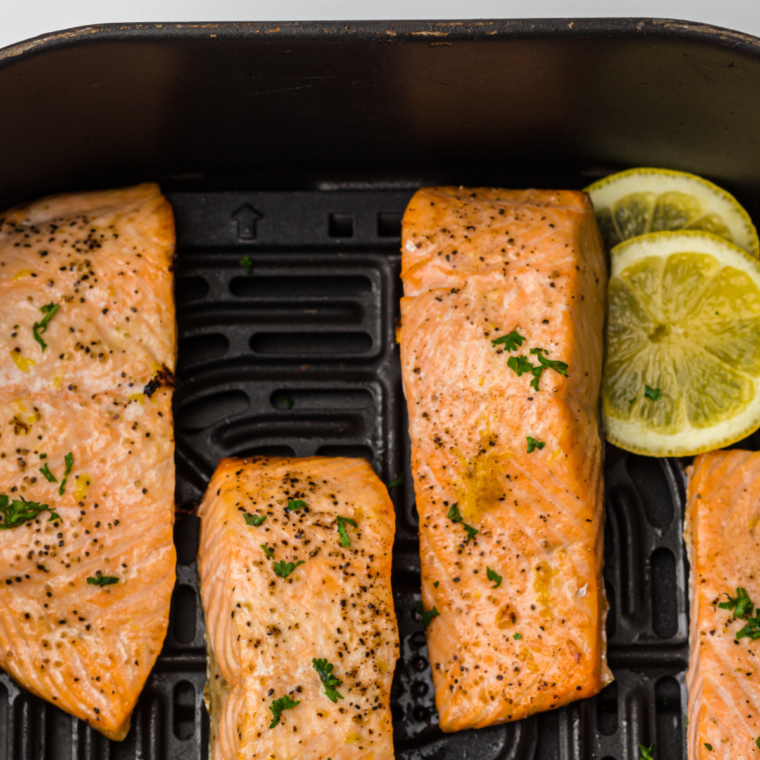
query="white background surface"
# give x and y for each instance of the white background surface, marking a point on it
(21, 19)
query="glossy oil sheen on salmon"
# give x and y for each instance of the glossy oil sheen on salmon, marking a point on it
(295, 563)
(501, 354)
(87, 343)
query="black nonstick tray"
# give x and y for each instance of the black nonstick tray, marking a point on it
(299, 146)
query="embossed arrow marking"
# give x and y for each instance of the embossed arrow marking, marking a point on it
(245, 218)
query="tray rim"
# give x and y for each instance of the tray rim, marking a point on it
(390, 31)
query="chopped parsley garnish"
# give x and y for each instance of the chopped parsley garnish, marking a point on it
(652, 393)
(345, 539)
(511, 342)
(283, 703)
(102, 580)
(38, 328)
(742, 608)
(247, 263)
(456, 516)
(709, 747)
(396, 481)
(284, 569)
(428, 616)
(741, 605)
(331, 682)
(545, 363)
(18, 511)
(69, 460)
(520, 365)
(295, 504)
(517, 636)
(254, 520)
(268, 553)
(492, 575)
(646, 752)
(436, 584)
(757, 742)
(48, 475)
(632, 400)
(534, 444)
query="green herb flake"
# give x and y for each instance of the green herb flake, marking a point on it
(436, 584)
(48, 475)
(254, 520)
(554, 364)
(517, 636)
(284, 569)
(330, 682)
(511, 342)
(742, 608)
(396, 481)
(520, 365)
(38, 328)
(247, 263)
(428, 616)
(456, 516)
(102, 580)
(345, 539)
(43, 456)
(268, 553)
(709, 747)
(492, 575)
(741, 605)
(751, 630)
(544, 364)
(646, 752)
(757, 742)
(632, 400)
(653, 394)
(69, 460)
(534, 444)
(16, 512)
(295, 504)
(283, 703)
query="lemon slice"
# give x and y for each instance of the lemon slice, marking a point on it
(682, 372)
(640, 201)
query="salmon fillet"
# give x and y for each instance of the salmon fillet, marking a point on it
(86, 448)
(510, 532)
(722, 534)
(331, 522)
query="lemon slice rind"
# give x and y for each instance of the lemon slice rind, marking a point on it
(634, 435)
(606, 192)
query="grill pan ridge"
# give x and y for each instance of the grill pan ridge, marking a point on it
(299, 356)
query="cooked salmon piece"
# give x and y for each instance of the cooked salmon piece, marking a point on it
(501, 355)
(722, 534)
(87, 560)
(104, 261)
(295, 564)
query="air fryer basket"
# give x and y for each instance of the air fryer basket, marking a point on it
(299, 145)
